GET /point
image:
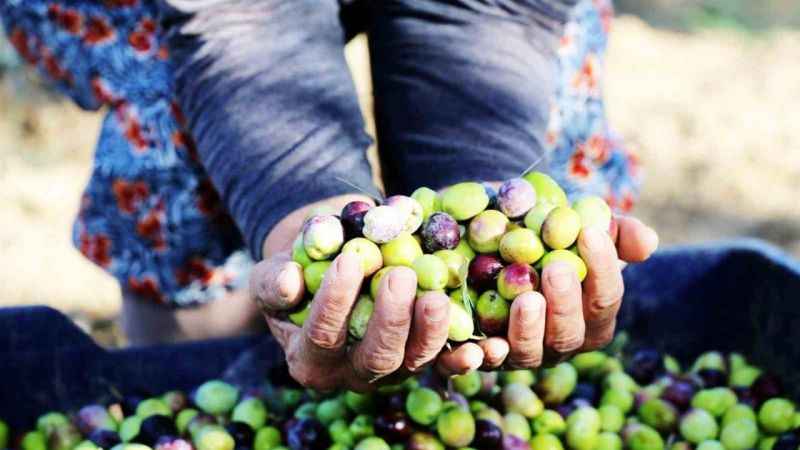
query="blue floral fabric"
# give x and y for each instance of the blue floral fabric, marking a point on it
(150, 215)
(587, 157)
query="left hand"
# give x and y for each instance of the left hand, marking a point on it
(567, 317)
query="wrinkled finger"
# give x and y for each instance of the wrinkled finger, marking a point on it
(564, 326)
(325, 330)
(460, 359)
(636, 241)
(495, 351)
(428, 330)
(526, 329)
(381, 351)
(282, 330)
(602, 288)
(276, 284)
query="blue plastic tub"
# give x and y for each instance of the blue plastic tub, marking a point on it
(743, 295)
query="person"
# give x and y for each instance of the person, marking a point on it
(229, 120)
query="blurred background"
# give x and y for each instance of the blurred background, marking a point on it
(706, 91)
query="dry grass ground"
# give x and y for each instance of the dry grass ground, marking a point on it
(713, 115)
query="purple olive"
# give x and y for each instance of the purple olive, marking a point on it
(483, 271)
(487, 435)
(516, 279)
(565, 409)
(353, 218)
(745, 396)
(172, 443)
(511, 442)
(646, 366)
(679, 393)
(766, 386)
(786, 441)
(93, 417)
(587, 392)
(307, 434)
(516, 197)
(440, 232)
(243, 435)
(104, 438)
(154, 427)
(396, 402)
(393, 427)
(430, 379)
(713, 378)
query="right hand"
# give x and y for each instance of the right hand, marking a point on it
(402, 337)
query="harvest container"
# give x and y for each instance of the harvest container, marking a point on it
(742, 295)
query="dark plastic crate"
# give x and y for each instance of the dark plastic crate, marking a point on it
(742, 295)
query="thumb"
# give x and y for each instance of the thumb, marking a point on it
(276, 284)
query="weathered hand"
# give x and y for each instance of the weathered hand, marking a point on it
(566, 317)
(402, 335)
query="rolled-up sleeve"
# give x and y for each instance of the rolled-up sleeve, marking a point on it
(269, 99)
(463, 87)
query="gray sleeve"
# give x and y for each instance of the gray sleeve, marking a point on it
(270, 101)
(463, 87)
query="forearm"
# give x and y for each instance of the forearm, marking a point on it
(463, 88)
(268, 96)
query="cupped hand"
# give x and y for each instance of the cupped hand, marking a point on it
(402, 336)
(566, 317)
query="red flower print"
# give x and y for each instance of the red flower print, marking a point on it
(101, 91)
(633, 164)
(134, 134)
(163, 53)
(19, 39)
(586, 78)
(605, 10)
(129, 196)
(146, 288)
(611, 200)
(140, 41)
(96, 247)
(178, 113)
(97, 31)
(627, 202)
(120, 3)
(551, 137)
(148, 25)
(578, 166)
(53, 67)
(195, 270)
(131, 127)
(599, 148)
(184, 140)
(150, 227)
(70, 20)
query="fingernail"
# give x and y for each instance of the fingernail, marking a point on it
(651, 239)
(561, 276)
(283, 284)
